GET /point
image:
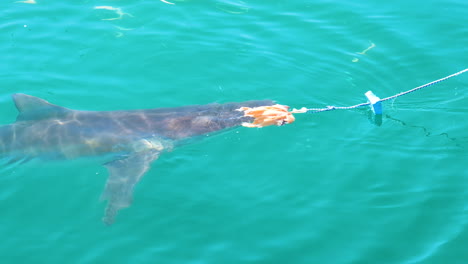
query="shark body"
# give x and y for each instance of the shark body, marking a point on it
(131, 140)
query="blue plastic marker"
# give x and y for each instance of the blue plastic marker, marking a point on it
(375, 103)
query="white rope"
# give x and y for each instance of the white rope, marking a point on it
(329, 108)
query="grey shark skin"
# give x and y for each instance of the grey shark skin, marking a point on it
(132, 139)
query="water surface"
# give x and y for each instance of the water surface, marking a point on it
(330, 188)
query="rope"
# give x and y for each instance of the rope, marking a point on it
(329, 108)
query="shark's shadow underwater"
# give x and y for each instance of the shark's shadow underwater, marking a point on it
(132, 139)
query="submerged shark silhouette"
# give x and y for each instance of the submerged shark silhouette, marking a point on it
(132, 139)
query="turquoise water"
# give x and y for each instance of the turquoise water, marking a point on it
(330, 188)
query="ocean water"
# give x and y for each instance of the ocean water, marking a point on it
(332, 187)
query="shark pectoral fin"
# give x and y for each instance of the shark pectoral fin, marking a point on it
(124, 174)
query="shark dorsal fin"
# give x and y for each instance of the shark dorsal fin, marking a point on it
(31, 107)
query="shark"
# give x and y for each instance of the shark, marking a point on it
(130, 140)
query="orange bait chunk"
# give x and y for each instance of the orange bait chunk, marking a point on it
(277, 115)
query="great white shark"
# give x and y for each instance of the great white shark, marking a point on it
(131, 140)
